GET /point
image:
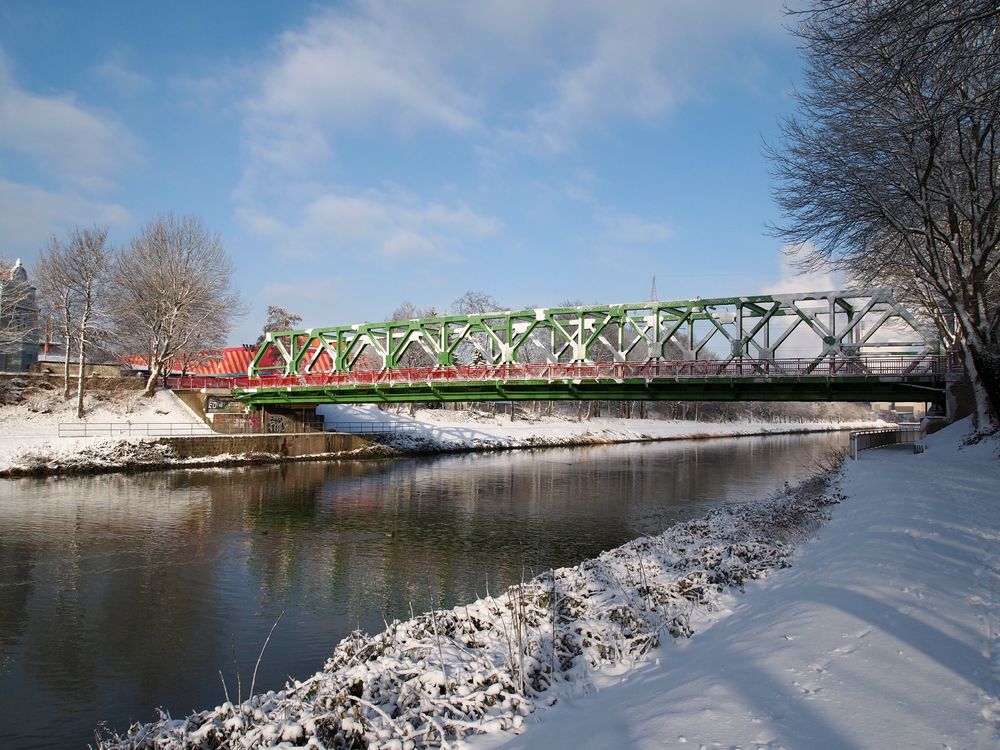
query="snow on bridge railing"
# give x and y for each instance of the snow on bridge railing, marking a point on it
(708, 369)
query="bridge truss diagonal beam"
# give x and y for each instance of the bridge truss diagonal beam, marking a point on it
(833, 325)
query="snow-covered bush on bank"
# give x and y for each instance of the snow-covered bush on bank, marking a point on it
(483, 667)
(106, 454)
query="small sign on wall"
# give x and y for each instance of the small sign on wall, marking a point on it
(216, 404)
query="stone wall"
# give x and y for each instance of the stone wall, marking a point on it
(282, 445)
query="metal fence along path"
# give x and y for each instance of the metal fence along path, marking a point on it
(132, 429)
(901, 434)
(371, 428)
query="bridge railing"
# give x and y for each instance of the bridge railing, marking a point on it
(708, 369)
(197, 382)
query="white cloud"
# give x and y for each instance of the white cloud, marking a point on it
(525, 73)
(62, 137)
(29, 215)
(535, 76)
(116, 72)
(346, 70)
(634, 61)
(628, 229)
(356, 227)
(793, 281)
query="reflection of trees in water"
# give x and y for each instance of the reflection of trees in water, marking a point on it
(119, 584)
(370, 539)
(16, 563)
(88, 592)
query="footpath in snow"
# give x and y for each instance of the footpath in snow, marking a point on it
(884, 633)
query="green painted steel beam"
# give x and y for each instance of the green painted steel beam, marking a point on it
(836, 324)
(910, 388)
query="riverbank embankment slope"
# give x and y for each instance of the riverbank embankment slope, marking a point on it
(31, 415)
(884, 633)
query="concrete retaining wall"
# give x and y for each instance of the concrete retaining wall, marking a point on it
(282, 445)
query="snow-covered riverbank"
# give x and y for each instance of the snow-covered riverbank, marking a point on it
(30, 443)
(485, 666)
(882, 634)
(448, 430)
(29, 428)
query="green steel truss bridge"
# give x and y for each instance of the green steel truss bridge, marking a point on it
(855, 345)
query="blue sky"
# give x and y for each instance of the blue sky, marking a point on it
(354, 155)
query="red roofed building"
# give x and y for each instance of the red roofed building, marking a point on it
(233, 361)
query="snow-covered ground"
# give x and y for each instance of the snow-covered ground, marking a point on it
(884, 633)
(29, 428)
(461, 430)
(31, 415)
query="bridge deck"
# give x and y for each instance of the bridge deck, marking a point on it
(855, 379)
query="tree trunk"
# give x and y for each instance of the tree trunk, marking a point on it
(67, 343)
(67, 346)
(82, 363)
(154, 373)
(982, 367)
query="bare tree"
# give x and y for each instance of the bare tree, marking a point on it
(74, 274)
(414, 356)
(173, 292)
(279, 319)
(58, 300)
(892, 167)
(472, 303)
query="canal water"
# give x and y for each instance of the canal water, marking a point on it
(120, 594)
